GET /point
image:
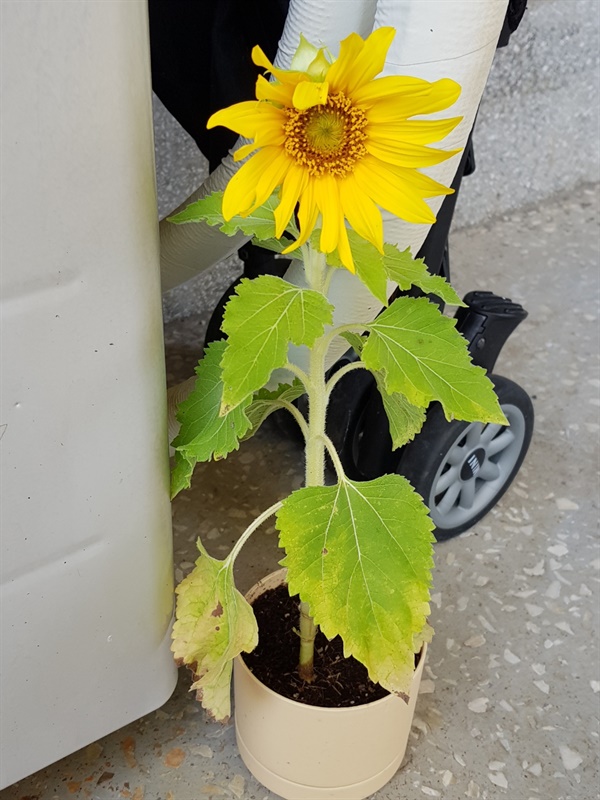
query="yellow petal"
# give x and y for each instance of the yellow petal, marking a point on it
(441, 94)
(283, 75)
(343, 248)
(317, 69)
(293, 186)
(273, 91)
(361, 212)
(242, 152)
(390, 86)
(327, 198)
(239, 117)
(243, 118)
(418, 182)
(417, 131)
(308, 94)
(365, 63)
(404, 154)
(240, 192)
(308, 213)
(272, 177)
(381, 183)
(338, 73)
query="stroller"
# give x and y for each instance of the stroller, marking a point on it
(460, 469)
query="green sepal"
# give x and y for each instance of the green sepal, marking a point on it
(204, 435)
(420, 354)
(214, 624)
(361, 556)
(261, 320)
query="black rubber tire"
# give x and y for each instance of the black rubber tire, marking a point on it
(437, 461)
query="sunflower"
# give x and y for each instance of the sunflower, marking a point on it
(339, 143)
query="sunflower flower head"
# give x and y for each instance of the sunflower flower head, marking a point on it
(338, 143)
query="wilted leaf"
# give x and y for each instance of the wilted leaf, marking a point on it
(360, 554)
(214, 624)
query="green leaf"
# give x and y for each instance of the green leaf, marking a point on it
(181, 474)
(405, 419)
(361, 555)
(355, 340)
(214, 624)
(421, 355)
(260, 321)
(368, 263)
(375, 269)
(266, 402)
(260, 224)
(204, 434)
(407, 271)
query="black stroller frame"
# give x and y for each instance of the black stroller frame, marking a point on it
(461, 469)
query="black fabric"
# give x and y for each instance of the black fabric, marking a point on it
(200, 54)
(514, 15)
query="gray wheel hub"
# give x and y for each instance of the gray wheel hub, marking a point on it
(475, 468)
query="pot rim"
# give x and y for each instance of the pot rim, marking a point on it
(326, 709)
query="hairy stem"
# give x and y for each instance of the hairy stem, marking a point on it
(337, 464)
(297, 415)
(315, 450)
(250, 530)
(337, 376)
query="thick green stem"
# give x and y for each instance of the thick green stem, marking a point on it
(315, 451)
(308, 631)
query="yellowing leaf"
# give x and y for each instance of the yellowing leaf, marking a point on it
(214, 624)
(420, 354)
(260, 321)
(360, 554)
(204, 434)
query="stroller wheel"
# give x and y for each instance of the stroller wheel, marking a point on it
(462, 469)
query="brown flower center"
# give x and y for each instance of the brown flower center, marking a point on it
(328, 138)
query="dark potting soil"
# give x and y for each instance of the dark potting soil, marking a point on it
(339, 682)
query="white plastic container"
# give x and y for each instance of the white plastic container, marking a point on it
(86, 582)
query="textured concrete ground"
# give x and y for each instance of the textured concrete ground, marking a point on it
(510, 701)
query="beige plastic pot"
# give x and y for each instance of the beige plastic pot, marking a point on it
(303, 752)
